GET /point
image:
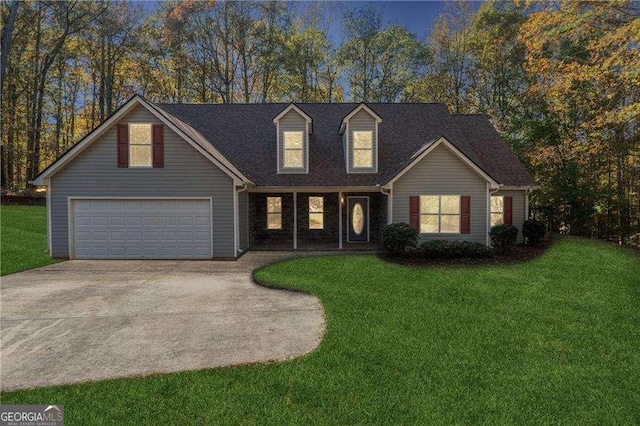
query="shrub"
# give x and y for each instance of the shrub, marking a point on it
(533, 232)
(439, 249)
(399, 237)
(503, 237)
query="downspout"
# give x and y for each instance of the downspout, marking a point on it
(236, 233)
(387, 192)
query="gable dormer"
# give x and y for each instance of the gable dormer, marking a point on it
(359, 131)
(293, 127)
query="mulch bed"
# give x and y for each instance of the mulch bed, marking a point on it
(517, 254)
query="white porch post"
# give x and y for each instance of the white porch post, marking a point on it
(340, 220)
(295, 221)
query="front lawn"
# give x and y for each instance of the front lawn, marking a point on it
(23, 235)
(555, 340)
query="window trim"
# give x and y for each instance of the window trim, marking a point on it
(320, 212)
(285, 149)
(491, 212)
(150, 145)
(274, 213)
(354, 149)
(440, 214)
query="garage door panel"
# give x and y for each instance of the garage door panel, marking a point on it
(146, 229)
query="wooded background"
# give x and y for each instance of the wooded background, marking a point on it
(559, 80)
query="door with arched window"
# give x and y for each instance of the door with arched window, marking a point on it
(358, 216)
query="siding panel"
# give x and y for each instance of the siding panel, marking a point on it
(186, 173)
(441, 172)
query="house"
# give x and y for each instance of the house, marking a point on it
(202, 181)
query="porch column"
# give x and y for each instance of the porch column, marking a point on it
(295, 221)
(340, 220)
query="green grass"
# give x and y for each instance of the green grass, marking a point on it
(23, 236)
(556, 340)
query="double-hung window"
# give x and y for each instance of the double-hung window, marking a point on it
(293, 150)
(140, 145)
(362, 150)
(274, 212)
(497, 210)
(439, 214)
(316, 213)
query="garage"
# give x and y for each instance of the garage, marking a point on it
(134, 228)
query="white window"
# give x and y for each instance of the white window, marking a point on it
(362, 150)
(439, 214)
(316, 213)
(140, 147)
(293, 150)
(497, 210)
(274, 212)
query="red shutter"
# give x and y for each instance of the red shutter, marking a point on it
(508, 210)
(414, 212)
(123, 145)
(158, 146)
(465, 214)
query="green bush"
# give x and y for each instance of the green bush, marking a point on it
(399, 237)
(533, 232)
(503, 237)
(440, 249)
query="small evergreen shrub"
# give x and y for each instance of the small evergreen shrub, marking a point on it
(399, 237)
(503, 237)
(533, 232)
(440, 249)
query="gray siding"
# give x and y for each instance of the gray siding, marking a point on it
(519, 215)
(186, 173)
(441, 172)
(243, 217)
(363, 121)
(290, 122)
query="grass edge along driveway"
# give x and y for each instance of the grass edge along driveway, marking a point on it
(549, 341)
(24, 238)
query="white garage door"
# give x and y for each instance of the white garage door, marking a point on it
(142, 229)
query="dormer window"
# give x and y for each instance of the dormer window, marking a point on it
(360, 136)
(293, 150)
(293, 127)
(362, 149)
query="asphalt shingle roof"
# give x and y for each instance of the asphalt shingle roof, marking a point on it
(246, 136)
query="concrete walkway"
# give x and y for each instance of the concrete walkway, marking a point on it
(80, 321)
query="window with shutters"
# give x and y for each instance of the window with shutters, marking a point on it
(140, 145)
(497, 210)
(439, 214)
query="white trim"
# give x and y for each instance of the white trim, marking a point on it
(278, 144)
(49, 232)
(230, 170)
(356, 110)
(442, 140)
(340, 220)
(70, 227)
(347, 148)
(368, 218)
(294, 107)
(295, 221)
(277, 189)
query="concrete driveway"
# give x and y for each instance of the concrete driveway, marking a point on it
(81, 321)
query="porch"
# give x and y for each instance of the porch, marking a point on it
(316, 221)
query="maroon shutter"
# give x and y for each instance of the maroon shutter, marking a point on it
(414, 212)
(158, 146)
(123, 145)
(508, 210)
(465, 214)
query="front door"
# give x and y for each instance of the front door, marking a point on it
(358, 208)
